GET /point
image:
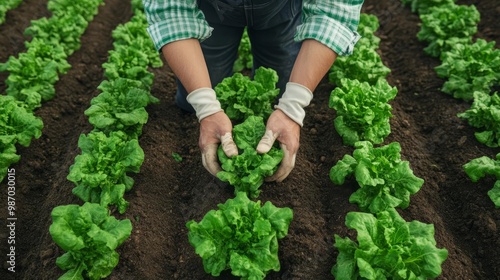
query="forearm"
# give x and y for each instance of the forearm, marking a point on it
(312, 63)
(186, 60)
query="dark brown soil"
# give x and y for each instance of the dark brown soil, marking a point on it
(167, 194)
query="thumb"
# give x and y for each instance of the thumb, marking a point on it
(209, 159)
(267, 141)
(228, 145)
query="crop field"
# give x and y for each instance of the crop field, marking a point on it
(171, 187)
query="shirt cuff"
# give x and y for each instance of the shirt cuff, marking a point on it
(330, 32)
(175, 29)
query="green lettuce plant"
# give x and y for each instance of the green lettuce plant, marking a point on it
(447, 25)
(100, 171)
(89, 237)
(469, 68)
(241, 97)
(85, 8)
(64, 31)
(245, 56)
(241, 236)
(133, 51)
(128, 62)
(362, 110)
(17, 126)
(422, 6)
(388, 247)
(482, 166)
(364, 64)
(32, 74)
(8, 154)
(18, 122)
(7, 5)
(384, 179)
(484, 114)
(247, 171)
(134, 35)
(120, 106)
(368, 25)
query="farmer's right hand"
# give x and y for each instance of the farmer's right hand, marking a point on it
(215, 128)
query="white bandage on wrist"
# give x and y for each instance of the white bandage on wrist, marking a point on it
(204, 102)
(294, 99)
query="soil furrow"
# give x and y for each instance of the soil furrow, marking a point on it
(12, 31)
(17, 20)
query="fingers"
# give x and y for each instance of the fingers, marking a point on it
(210, 160)
(267, 141)
(209, 155)
(228, 145)
(286, 166)
(214, 130)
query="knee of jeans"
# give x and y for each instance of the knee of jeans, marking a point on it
(181, 101)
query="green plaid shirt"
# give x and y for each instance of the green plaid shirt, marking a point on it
(331, 22)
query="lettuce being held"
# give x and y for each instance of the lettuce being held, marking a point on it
(246, 171)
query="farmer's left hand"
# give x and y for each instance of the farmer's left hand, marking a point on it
(284, 125)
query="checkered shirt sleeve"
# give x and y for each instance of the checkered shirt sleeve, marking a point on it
(331, 22)
(172, 20)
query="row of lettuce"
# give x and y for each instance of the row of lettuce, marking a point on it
(88, 233)
(33, 74)
(386, 246)
(242, 235)
(471, 69)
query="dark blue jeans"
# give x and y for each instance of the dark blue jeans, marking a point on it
(271, 26)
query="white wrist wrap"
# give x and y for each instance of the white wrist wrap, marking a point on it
(204, 102)
(294, 99)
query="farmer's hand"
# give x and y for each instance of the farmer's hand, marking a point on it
(215, 128)
(284, 125)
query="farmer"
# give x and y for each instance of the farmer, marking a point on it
(300, 40)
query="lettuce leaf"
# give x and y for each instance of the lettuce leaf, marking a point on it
(241, 236)
(482, 166)
(388, 247)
